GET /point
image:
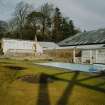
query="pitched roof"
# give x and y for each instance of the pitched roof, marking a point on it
(85, 38)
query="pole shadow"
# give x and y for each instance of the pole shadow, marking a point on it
(92, 77)
(101, 84)
(95, 88)
(43, 96)
(68, 91)
(61, 73)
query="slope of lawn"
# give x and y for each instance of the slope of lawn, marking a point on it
(66, 88)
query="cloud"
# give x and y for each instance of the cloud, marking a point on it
(87, 14)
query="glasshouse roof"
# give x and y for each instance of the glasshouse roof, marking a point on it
(85, 38)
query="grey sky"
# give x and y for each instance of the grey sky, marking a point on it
(87, 14)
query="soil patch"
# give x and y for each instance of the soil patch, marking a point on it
(38, 78)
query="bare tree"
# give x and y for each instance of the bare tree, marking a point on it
(21, 11)
(46, 11)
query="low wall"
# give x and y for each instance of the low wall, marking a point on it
(19, 52)
(65, 55)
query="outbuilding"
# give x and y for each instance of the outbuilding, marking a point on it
(90, 44)
(22, 47)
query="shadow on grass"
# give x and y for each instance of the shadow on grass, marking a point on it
(68, 91)
(43, 96)
(43, 92)
(79, 82)
(92, 77)
(15, 67)
(101, 84)
(75, 81)
(61, 73)
(92, 87)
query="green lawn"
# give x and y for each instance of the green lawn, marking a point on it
(67, 88)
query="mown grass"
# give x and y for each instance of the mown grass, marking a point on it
(67, 88)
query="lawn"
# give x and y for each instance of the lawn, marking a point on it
(64, 88)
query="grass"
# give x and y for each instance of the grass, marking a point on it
(68, 88)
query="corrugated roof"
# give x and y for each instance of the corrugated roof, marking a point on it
(91, 37)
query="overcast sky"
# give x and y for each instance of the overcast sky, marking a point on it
(86, 14)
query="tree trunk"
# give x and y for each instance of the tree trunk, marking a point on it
(43, 30)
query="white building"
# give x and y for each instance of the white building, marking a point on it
(13, 46)
(92, 53)
(91, 45)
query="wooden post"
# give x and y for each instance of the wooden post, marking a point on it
(91, 57)
(74, 55)
(81, 56)
(96, 56)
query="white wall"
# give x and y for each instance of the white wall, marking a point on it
(101, 56)
(85, 55)
(17, 45)
(94, 55)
